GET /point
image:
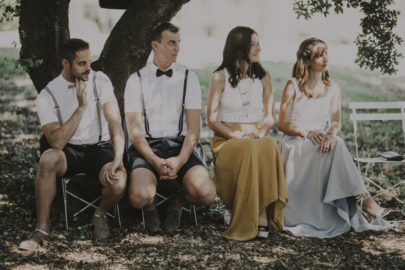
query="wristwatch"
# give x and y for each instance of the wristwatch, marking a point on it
(304, 133)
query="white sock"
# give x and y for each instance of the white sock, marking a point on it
(98, 215)
(42, 231)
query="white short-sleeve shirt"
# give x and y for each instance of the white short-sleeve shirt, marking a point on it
(163, 97)
(87, 131)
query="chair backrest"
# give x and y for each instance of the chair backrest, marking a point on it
(361, 112)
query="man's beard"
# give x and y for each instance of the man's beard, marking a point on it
(81, 76)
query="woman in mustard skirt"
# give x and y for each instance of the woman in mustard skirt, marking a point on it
(248, 168)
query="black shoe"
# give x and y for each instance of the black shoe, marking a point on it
(172, 219)
(152, 221)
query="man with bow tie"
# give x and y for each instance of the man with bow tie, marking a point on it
(162, 110)
(82, 131)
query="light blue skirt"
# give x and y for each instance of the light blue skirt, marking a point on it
(321, 190)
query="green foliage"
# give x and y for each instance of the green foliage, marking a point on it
(9, 9)
(377, 44)
(31, 63)
(9, 64)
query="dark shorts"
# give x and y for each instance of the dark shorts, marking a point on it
(163, 148)
(88, 158)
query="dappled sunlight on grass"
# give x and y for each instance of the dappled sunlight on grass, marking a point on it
(31, 267)
(393, 245)
(83, 243)
(283, 250)
(88, 257)
(389, 244)
(22, 81)
(134, 238)
(4, 200)
(186, 257)
(8, 116)
(21, 137)
(24, 103)
(230, 256)
(264, 260)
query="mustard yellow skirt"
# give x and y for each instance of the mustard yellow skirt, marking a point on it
(249, 177)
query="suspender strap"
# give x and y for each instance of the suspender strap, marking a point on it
(182, 104)
(56, 105)
(100, 129)
(145, 117)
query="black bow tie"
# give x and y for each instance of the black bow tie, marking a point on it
(160, 72)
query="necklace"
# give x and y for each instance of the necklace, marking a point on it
(244, 92)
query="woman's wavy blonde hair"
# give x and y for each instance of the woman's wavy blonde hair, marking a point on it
(301, 67)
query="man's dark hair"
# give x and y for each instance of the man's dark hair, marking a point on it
(157, 32)
(71, 46)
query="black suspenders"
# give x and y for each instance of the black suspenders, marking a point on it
(98, 105)
(145, 118)
(97, 100)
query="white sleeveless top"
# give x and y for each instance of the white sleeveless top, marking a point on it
(249, 92)
(311, 113)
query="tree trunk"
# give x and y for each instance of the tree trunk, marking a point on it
(44, 26)
(128, 47)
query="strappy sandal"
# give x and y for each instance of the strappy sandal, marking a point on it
(263, 231)
(383, 212)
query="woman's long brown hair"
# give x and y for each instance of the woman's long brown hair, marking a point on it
(236, 54)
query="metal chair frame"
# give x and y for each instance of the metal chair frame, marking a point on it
(384, 116)
(66, 192)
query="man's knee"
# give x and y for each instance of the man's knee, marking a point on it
(142, 189)
(200, 186)
(206, 195)
(51, 159)
(118, 186)
(141, 196)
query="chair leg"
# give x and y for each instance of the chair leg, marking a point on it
(117, 214)
(381, 189)
(88, 204)
(143, 219)
(195, 215)
(65, 202)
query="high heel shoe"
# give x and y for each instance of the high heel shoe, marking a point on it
(383, 212)
(263, 231)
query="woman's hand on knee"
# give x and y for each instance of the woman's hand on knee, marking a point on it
(315, 137)
(327, 143)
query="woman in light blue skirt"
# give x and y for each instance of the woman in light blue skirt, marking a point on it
(326, 193)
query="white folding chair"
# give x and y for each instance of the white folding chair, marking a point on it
(66, 192)
(361, 112)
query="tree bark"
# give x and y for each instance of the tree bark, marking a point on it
(44, 26)
(128, 47)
